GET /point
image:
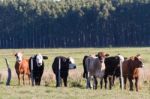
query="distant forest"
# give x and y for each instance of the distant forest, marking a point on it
(74, 23)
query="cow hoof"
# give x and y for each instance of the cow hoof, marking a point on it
(94, 88)
(131, 89)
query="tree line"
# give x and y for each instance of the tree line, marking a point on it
(74, 23)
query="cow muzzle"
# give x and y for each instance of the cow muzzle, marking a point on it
(39, 64)
(72, 66)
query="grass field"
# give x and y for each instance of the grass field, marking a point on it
(76, 88)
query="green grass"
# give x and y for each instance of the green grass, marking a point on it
(42, 92)
(76, 88)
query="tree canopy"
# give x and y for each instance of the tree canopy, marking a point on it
(74, 23)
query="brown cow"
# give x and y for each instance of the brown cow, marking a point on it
(131, 70)
(22, 67)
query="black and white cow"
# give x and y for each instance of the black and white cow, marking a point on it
(37, 67)
(61, 66)
(112, 69)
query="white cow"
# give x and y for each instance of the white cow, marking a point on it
(95, 67)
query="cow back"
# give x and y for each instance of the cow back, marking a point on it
(22, 67)
(63, 64)
(112, 65)
(95, 66)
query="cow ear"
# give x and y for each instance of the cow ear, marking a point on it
(136, 58)
(96, 55)
(45, 57)
(107, 55)
(15, 54)
(125, 58)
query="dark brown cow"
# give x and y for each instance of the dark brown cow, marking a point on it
(131, 70)
(22, 67)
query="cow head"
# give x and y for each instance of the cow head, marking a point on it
(19, 56)
(138, 62)
(71, 62)
(102, 56)
(39, 59)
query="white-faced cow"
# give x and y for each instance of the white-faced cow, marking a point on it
(37, 68)
(61, 66)
(112, 70)
(94, 67)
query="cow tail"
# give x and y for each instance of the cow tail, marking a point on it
(85, 73)
(54, 65)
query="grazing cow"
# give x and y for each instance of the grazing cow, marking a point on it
(61, 66)
(112, 69)
(131, 70)
(37, 68)
(94, 67)
(22, 67)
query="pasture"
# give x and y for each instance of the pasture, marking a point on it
(76, 88)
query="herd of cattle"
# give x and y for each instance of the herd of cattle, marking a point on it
(100, 66)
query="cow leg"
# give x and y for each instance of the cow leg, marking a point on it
(88, 79)
(110, 82)
(88, 82)
(120, 82)
(95, 83)
(35, 80)
(101, 83)
(125, 82)
(131, 84)
(113, 80)
(29, 79)
(105, 80)
(23, 79)
(65, 81)
(136, 84)
(18, 79)
(39, 81)
(58, 81)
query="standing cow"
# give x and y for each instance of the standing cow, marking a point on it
(94, 67)
(132, 70)
(37, 68)
(61, 66)
(22, 67)
(112, 69)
